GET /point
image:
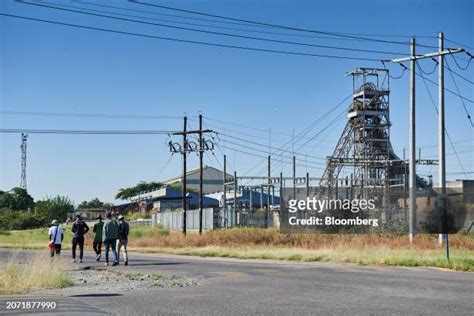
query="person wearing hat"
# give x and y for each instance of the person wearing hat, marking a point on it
(56, 237)
(109, 237)
(97, 244)
(123, 229)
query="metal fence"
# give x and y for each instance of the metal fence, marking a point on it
(174, 219)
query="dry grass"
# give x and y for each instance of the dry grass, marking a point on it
(255, 243)
(242, 237)
(39, 272)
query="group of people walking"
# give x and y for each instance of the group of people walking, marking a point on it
(113, 235)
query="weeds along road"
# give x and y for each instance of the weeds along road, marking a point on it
(233, 287)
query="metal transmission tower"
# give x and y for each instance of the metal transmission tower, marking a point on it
(365, 142)
(24, 137)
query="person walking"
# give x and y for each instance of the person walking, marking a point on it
(79, 229)
(56, 237)
(123, 229)
(109, 237)
(97, 244)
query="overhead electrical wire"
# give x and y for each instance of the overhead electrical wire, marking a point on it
(336, 34)
(459, 92)
(449, 90)
(92, 115)
(173, 39)
(458, 43)
(210, 32)
(459, 66)
(445, 129)
(260, 130)
(83, 132)
(192, 24)
(266, 146)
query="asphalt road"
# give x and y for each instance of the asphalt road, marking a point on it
(267, 287)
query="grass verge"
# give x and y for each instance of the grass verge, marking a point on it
(41, 272)
(254, 243)
(461, 260)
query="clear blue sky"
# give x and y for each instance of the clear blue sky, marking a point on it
(50, 68)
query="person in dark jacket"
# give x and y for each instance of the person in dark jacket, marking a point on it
(97, 244)
(109, 237)
(79, 229)
(123, 229)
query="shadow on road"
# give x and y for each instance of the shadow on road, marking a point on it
(97, 295)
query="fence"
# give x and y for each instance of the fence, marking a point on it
(141, 222)
(174, 219)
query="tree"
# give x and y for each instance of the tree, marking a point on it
(141, 187)
(56, 207)
(94, 203)
(17, 199)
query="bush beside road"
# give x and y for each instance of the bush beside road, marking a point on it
(254, 243)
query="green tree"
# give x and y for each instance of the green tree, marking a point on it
(55, 207)
(141, 187)
(17, 199)
(94, 203)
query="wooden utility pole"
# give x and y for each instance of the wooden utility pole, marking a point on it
(201, 153)
(183, 184)
(184, 149)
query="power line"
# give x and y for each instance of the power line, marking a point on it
(283, 52)
(212, 32)
(92, 115)
(458, 43)
(84, 132)
(194, 24)
(428, 73)
(462, 77)
(275, 25)
(457, 89)
(449, 90)
(266, 146)
(306, 130)
(445, 129)
(247, 127)
(261, 151)
(459, 66)
(256, 155)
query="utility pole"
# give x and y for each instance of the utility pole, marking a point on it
(412, 145)
(24, 138)
(183, 184)
(201, 154)
(412, 140)
(224, 197)
(442, 144)
(294, 177)
(441, 140)
(269, 180)
(234, 216)
(185, 148)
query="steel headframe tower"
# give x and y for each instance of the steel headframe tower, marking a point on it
(24, 138)
(365, 142)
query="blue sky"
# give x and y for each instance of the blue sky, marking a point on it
(50, 68)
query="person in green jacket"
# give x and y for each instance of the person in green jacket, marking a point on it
(97, 244)
(109, 237)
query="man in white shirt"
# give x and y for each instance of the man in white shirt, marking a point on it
(56, 234)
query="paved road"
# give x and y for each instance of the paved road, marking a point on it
(268, 287)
